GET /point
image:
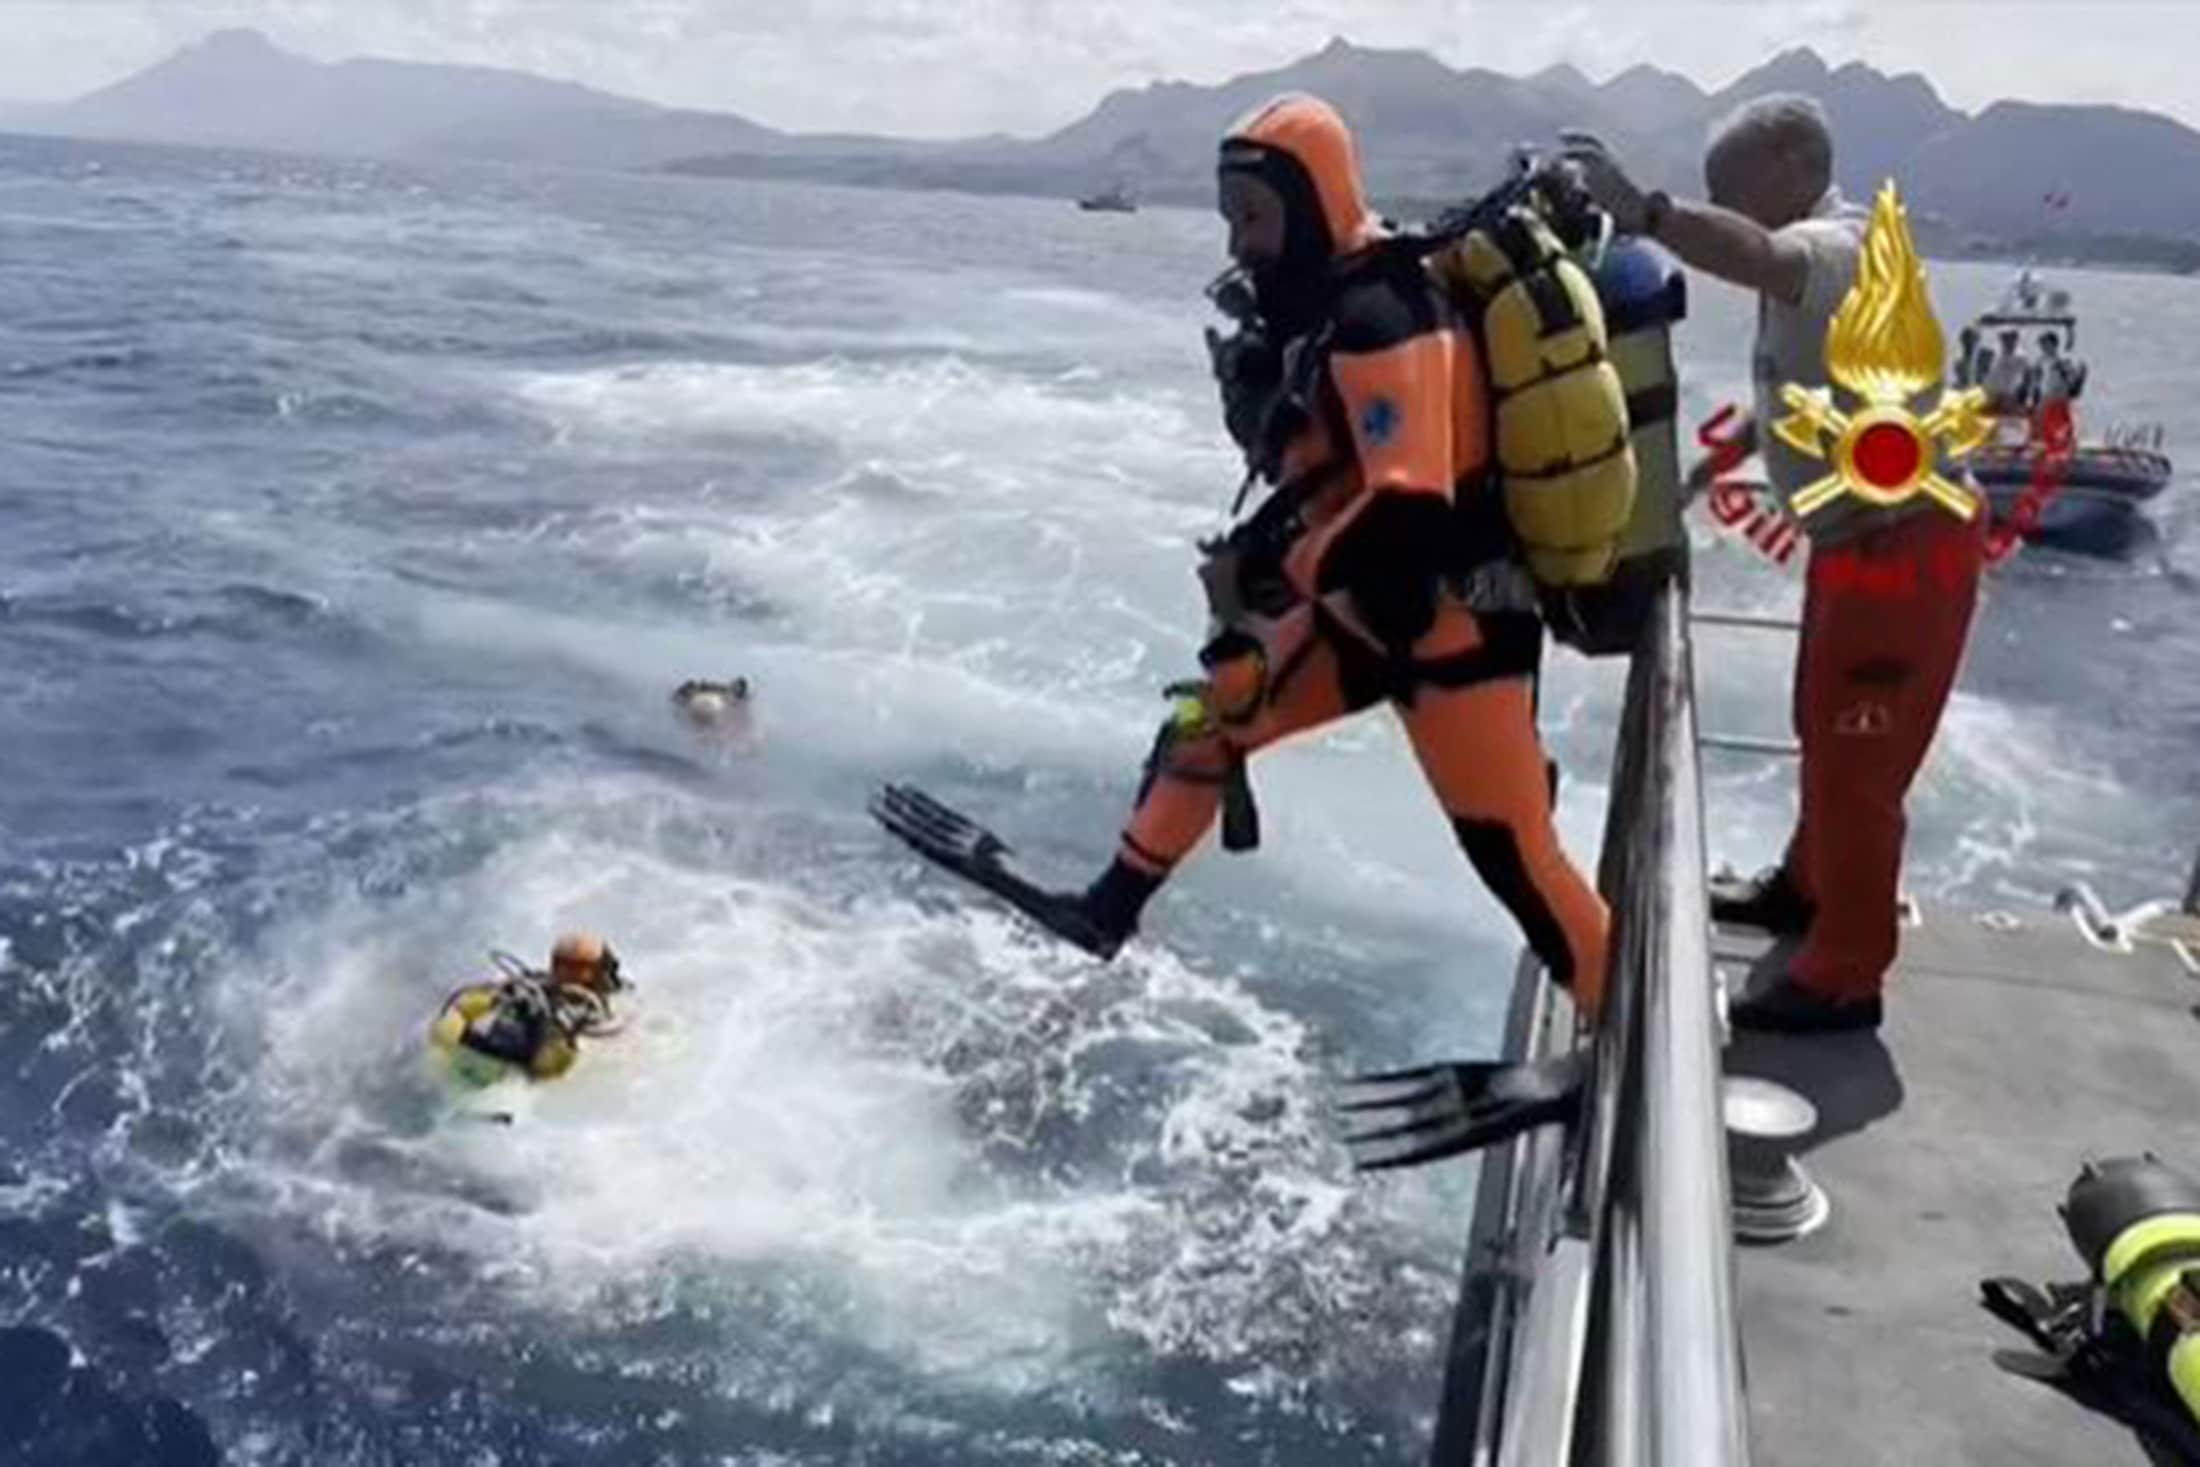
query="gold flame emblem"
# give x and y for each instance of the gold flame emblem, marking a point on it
(1885, 347)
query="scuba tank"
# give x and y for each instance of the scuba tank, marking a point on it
(2137, 1225)
(2127, 1339)
(1597, 609)
(1643, 294)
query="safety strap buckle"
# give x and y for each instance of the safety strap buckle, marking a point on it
(2060, 1319)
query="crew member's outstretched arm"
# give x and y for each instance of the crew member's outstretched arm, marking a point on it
(1738, 250)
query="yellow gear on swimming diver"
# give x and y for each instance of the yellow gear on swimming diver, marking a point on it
(475, 1068)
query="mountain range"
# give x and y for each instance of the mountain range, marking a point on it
(1427, 132)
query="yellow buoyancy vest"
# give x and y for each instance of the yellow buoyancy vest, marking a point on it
(475, 1067)
(1565, 465)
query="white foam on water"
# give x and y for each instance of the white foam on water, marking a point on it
(837, 1089)
(856, 710)
(1348, 814)
(746, 1116)
(866, 338)
(1994, 781)
(977, 427)
(1003, 523)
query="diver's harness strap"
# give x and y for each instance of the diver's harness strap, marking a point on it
(1654, 404)
(2064, 1320)
(1242, 572)
(2091, 1354)
(1488, 572)
(580, 1011)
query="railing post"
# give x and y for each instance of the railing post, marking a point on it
(1692, 1342)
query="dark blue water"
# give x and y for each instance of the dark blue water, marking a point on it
(355, 522)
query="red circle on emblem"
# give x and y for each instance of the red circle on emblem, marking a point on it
(1887, 454)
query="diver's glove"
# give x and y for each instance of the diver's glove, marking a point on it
(1390, 560)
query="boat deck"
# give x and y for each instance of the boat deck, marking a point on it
(1946, 1144)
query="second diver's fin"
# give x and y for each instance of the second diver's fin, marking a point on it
(950, 839)
(1437, 1111)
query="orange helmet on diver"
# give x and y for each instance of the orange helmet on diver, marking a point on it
(1288, 184)
(585, 960)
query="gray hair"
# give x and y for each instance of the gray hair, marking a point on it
(1788, 124)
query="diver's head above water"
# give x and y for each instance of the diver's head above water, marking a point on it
(1288, 185)
(714, 707)
(1771, 159)
(584, 960)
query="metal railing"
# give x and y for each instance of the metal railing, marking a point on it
(1743, 743)
(1596, 1323)
(1693, 1340)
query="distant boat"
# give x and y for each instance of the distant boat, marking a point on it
(2108, 476)
(1116, 200)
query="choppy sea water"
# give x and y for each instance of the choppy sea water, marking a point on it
(355, 521)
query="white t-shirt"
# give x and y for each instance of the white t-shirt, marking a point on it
(2005, 384)
(1791, 347)
(1791, 340)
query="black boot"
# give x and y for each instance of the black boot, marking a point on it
(1103, 919)
(1786, 1007)
(1769, 902)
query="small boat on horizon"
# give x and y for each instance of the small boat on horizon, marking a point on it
(1113, 200)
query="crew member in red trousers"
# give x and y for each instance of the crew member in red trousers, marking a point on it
(1889, 594)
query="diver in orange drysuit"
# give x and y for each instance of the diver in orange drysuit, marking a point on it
(1377, 589)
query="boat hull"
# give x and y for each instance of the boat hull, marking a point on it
(2131, 474)
(2099, 493)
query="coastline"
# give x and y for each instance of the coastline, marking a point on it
(1937, 238)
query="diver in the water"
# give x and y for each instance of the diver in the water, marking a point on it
(531, 1021)
(716, 708)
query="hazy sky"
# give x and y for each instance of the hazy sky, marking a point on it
(936, 67)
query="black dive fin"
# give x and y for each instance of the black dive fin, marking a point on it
(950, 839)
(1437, 1111)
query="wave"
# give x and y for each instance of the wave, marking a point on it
(239, 612)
